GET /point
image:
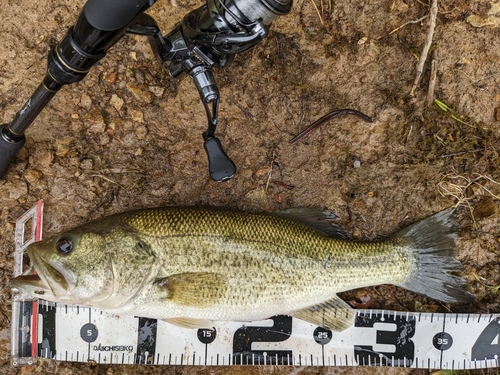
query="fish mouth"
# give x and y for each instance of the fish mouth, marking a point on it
(31, 284)
(51, 281)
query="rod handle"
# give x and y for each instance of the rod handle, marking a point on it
(8, 149)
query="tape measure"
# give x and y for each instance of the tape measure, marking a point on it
(376, 338)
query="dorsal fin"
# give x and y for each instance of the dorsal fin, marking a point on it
(315, 217)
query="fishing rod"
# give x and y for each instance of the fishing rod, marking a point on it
(207, 38)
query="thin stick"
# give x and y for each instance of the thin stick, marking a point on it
(427, 45)
(317, 11)
(408, 23)
(432, 80)
(462, 153)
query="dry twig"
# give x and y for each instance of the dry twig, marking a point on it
(408, 23)
(432, 80)
(317, 11)
(427, 45)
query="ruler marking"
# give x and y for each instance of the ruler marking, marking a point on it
(479, 318)
(441, 354)
(468, 316)
(335, 360)
(323, 354)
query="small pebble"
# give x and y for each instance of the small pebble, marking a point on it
(95, 121)
(111, 77)
(157, 90)
(357, 163)
(85, 101)
(116, 102)
(32, 175)
(137, 116)
(140, 93)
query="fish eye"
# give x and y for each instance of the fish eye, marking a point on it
(64, 246)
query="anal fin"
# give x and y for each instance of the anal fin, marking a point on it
(334, 314)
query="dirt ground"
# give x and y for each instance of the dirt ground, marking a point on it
(129, 136)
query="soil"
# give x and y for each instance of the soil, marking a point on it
(129, 136)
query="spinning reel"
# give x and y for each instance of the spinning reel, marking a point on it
(207, 38)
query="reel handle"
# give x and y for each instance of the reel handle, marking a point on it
(220, 166)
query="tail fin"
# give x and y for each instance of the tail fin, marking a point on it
(432, 246)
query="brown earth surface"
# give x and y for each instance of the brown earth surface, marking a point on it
(129, 136)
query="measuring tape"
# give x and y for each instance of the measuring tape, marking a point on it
(376, 338)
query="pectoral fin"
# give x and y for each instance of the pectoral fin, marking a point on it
(334, 314)
(195, 289)
(191, 323)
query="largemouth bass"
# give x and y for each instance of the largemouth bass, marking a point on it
(193, 266)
